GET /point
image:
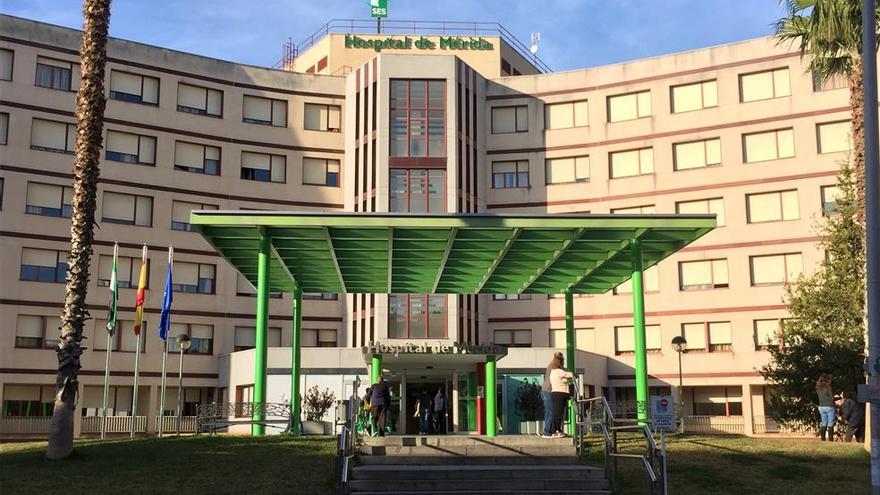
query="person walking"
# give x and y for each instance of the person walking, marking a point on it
(853, 415)
(547, 398)
(423, 411)
(380, 400)
(440, 406)
(826, 407)
(559, 380)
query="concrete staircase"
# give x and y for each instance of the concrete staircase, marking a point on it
(467, 464)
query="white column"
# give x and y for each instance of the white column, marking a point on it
(748, 415)
(455, 387)
(401, 418)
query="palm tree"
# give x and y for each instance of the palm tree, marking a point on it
(830, 31)
(90, 104)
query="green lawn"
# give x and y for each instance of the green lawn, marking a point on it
(740, 466)
(201, 464)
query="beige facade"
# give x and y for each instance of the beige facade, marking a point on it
(738, 130)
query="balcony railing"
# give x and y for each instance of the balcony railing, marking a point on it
(169, 424)
(24, 425)
(115, 424)
(426, 28)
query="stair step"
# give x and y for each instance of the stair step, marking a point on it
(449, 460)
(468, 450)
(420, 485)
(493, 492)
(466, 440)
(467, 472)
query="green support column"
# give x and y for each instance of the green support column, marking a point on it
(258, 416)
(569, 353)
(375, 368)
(638, 295)
(472, 402)
(295, 359)
(491, 397)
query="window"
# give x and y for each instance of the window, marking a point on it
(130, 148)
(696, 154)
(134, 88)
(243, 287)
(772, 207)
(315, 337)
(768, 333)
(567, 170)
(194, 278)
(634, 210)
(629, 106)
(57, 74)
(631, 163)
(717, 334)
(49, 200)
(127, 209)
(321, 296)
(650, 282)
(128, 270)
(764, 85)
(322, 117)
(511, 297)
(695, 96)
(703, 275)
(695, 334)
(584, 338)
(507, 120)
(6, 61)
(264, 111)
(703, 206)
(4, 128)
(513, 338)
(49, 135)
(197, 158)
(180, 211)
(833, 137)
(43, 265)
(201, 337)
(243, 394)
(28, 400)
(199, 100)
(770, 145)
(418, 118)
(776, 269)
(830, 194)
(833, 82)
(246, 337)
(37, 332)
(509, 175)
(565, 115)
(320, 172)
(418, 190)
(717, 401)
(263, 167)
(416, 316)
(625, 339)
(123, 340)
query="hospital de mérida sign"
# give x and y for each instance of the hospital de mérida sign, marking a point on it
(454, 43)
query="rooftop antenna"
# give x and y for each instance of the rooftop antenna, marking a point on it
(536, 40)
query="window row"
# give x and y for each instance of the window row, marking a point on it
(142, 89)
(754, 86)
(762, 146)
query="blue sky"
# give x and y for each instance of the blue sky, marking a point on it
(575, 33)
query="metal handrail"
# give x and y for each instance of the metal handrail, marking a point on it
(347, 440)
(472, 28)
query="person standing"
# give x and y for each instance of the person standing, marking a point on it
(559, 380)
(547, 398)
(853, 415)
(826, 407)
(423, 411)
(440, 413)
(380, 400)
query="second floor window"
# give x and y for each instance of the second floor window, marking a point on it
(320, 117)
(49, 200)
(197, 158)
(514, 338)
(776, 269)
(321, 172)
(127, 209)
(246, 337)
(695, 96)
(50, 135)
(768, 145)
(128, 270)
(194, 278)
(37, 332)
(57, 74)
(417, 316)
(567, 170)
(833, 137)
(134, 88)
(319, 337)
(6, 60)
(130, 148)
(201, 337)
(629, 106)
(703, 275)
(180, 211)
(265, 111)
(703, 206)
(418, 190)
(566, 115)
(508, 175)
(696, 154)
(631, 163)
(43, 265)
(764, 85)
(624, 338)
(263, 167)
(510, 119)
(829, 199)
(418, 118)
(199, 100)
(772, 207)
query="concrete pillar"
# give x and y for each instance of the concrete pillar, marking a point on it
(152, 409)
(748, 414)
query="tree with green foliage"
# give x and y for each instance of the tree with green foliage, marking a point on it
(826, 332)
(528, 401)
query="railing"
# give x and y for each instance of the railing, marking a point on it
(347, 440)
(115, 424)
(24, 425)
(213, 417)
(396, 26)
(726, 425)
(765, 424)
(188, 424)
(595, 416)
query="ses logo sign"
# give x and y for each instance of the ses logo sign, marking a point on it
(379, 8)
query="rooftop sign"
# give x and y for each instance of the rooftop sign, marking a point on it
(379, 8)
(439, 348)
(454, 43)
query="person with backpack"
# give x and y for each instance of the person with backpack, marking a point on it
(440, 406)
(423, 412)
(380, 400)
(853, 415)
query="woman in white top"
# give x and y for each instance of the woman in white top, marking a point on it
(559, 380)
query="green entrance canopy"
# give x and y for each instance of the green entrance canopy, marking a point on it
(445, 254)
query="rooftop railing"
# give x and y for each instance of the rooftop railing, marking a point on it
(426, 28)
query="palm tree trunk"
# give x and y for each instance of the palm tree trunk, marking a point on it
(89, 131)
(856, 101)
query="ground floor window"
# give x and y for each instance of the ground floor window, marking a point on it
(717, 401)
(243, 393)
(417, 316)
(28, 400)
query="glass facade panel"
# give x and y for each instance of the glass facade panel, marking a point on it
(418, 118)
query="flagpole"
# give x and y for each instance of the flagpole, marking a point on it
(134, 395)
(137, 352)
(111, 327)
(164, 362)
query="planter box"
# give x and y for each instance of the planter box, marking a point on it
(316, 427)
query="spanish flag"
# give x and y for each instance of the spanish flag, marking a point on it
(141, 294)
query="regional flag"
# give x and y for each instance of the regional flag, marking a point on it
(141, 294)
(165, 316)
(114, 293)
